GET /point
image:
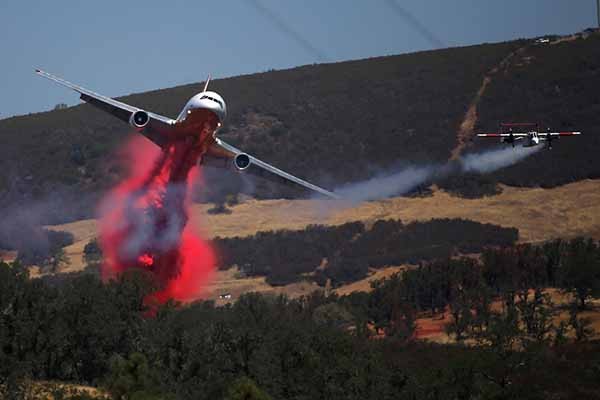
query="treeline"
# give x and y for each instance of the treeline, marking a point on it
(345, 253)
(284, 256)
(78, 329)
(516, 278)
(36, 245)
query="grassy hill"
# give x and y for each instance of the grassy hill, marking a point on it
(337, 123)
(557, 86)
(329, 123)
(538, 214)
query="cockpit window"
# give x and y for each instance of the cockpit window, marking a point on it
(213, 99)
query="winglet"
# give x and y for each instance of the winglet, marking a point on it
(206, 83)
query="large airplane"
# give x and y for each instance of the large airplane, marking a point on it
(527, 133)
(199, 121)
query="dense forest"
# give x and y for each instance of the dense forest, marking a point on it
(340, 254)
(75, 328)
(345, 253)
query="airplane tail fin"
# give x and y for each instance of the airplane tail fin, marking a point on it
(206, 83)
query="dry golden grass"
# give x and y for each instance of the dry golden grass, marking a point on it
(539, 214)
(43, 390)
(229, 282)
(432, 328)
(562, 301)
(364, 285)
(83, 231)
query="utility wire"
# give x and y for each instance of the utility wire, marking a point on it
(287, 30)
(415, 24)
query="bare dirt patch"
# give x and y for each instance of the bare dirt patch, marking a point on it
(466, 130)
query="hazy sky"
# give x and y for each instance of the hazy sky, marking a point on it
(121, 47)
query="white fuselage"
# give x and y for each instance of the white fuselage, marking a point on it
(211, 101)
(533, 139)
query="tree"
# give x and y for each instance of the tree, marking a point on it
(553, 252)
(467, 295)
(245, 388)
(219, 208)
(56, 260)
(132, 379)
(502, 331)
(536, 313)
(231, 199)
(403, 322)
(332, 314)
(461, 318)
(581, 270)
(581, 326)
(92, 253)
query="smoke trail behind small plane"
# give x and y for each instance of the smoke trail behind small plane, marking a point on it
(404, 181)
(493, 160)
(386, 185)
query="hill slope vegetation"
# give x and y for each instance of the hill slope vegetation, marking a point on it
(328, 123)
(340, 122)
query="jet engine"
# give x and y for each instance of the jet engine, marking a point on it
(241, 161)
(139, 119)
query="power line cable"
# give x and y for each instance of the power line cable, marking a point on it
(416, 24)
(288, 31)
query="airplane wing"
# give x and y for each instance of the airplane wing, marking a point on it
(516, 134)
(546, 134)
(158, 128)
(221, 154)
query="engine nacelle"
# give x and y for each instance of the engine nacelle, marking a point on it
(139, 119)
(241, 161)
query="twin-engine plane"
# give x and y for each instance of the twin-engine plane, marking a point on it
(197, 124)
(527, 133)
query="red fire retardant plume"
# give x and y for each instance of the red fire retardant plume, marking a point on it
(143, 221)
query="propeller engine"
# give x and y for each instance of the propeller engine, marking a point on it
(549, 139)
(510, 139)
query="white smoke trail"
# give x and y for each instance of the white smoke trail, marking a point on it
(492, 160)
(398, 183)
(387, 185)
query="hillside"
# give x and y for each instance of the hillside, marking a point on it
(554, 85)
(337, 123)
(330, 123)
(538, 214)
